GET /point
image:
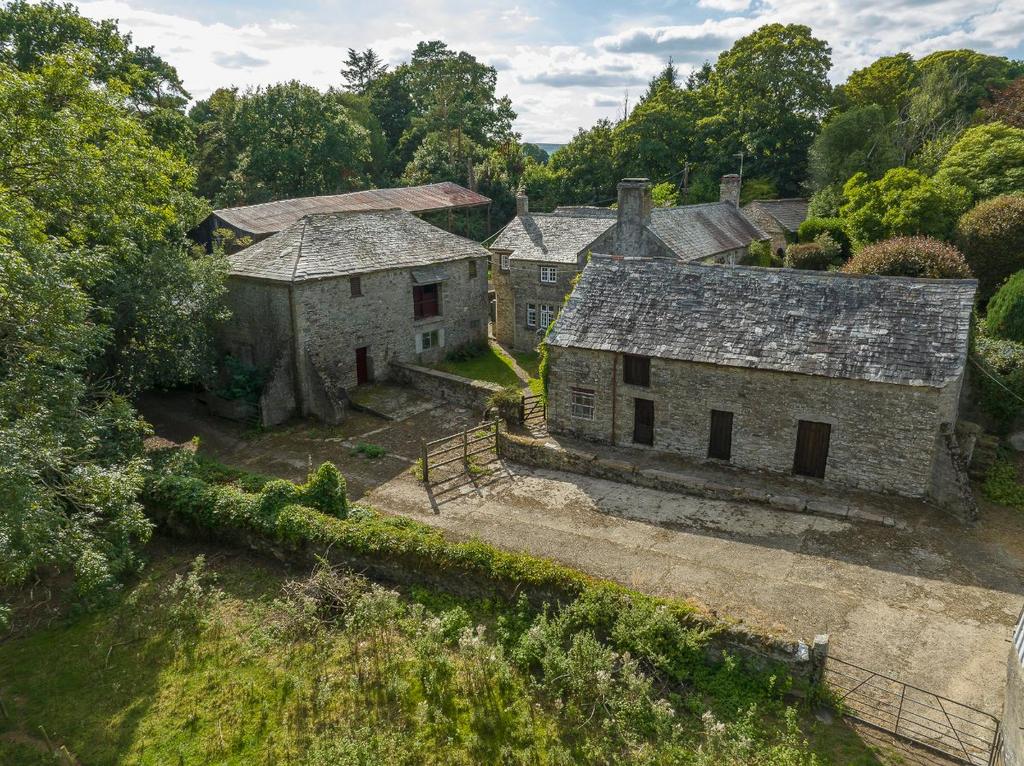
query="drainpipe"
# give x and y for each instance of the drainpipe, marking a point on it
(615, 391)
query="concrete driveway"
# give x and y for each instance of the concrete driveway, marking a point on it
(933, 605)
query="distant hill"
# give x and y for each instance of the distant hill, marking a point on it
(549, 148)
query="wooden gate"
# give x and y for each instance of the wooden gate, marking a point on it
(459, 451)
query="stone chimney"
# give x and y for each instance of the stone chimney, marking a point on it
(729, 191)
(522, 203)
(634, 214)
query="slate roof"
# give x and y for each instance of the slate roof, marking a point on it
(883, 329)
(790, 213)
(696, 232)
(270, 217)
(339, 244)
(558, 236)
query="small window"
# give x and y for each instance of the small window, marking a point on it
(547, 314)
(636, 370)
(430, 339)
(583, 401)
(548, 274)
(472, 269)
(504, 261)
(531, 315)
(356, 286)
(474, 324)
(426, 301)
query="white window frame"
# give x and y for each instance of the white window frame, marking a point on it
(548, 275)
(503, 261)
(582, 403)
(425, 340)
(546, 309)
(531, 314)
(1018, 639)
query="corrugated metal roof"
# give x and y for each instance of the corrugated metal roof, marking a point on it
(339, 244)
(883, 329)
(271, 217)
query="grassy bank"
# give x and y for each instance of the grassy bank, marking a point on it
(219, 657)
(492, 365)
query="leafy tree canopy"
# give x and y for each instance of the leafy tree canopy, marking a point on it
(862, 139)
(987, 160)
(991, 236)
(887, 83)
(901, 202)
(362, 69)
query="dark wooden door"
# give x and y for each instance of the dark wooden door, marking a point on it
(811, 448)
(720, 441)
(362, 366)
(643, 421)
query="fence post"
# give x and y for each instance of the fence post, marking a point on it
(522, 409)
(465, 446)
(497, 450)
(424, 461)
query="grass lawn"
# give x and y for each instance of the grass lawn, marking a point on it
(489, 365)
(239, 661)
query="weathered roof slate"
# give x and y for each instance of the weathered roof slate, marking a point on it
(560, 236)
(883, 329)
(339, 244)
(696, 232)
(270, 217)
(790, 213)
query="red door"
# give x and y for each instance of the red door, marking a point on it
(362, 366)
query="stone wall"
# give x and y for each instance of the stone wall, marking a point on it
(768, 225)
(331, 324)
(1013, 708)
(472, 394)
(526, 287)
(883, 436)
(505, 303)
(259, 334)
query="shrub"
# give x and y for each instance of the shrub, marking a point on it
(507, 402)
(1000, 381)
(760, 254)
(813, 228)
(242, 382)
(325, 491)
(991, 236)
(809, 255)
(910, 257)
(370, 451)
(1005, 317)
(1001, 485)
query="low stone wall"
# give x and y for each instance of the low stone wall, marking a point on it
(1013, 710)
(464, 392)
(541, 454)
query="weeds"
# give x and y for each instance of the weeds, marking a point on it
(369, 451)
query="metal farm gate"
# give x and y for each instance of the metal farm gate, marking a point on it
(532, 410)
(951, 729)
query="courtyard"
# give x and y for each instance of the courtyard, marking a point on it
(932, 603)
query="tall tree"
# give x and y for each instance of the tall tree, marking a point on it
(362, 69)
(771, 89)
(887, 82)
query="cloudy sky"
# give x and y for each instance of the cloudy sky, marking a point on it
(564, 64)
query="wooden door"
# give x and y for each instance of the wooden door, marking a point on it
(720, 440)
(362, 366)
(811, 454)
(643, 421)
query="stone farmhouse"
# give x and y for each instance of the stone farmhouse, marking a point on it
(779, 218)
(536, 257)
(327, 303)
(261, 221)
(851, 379)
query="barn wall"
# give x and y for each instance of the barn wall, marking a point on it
(883, 436)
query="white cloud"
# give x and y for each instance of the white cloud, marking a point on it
(555, 88)
(731, 6)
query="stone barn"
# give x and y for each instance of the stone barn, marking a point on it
(537, 256)
(326, 304)
(779, 218)
(853, 380)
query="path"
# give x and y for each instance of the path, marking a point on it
(933, 604)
